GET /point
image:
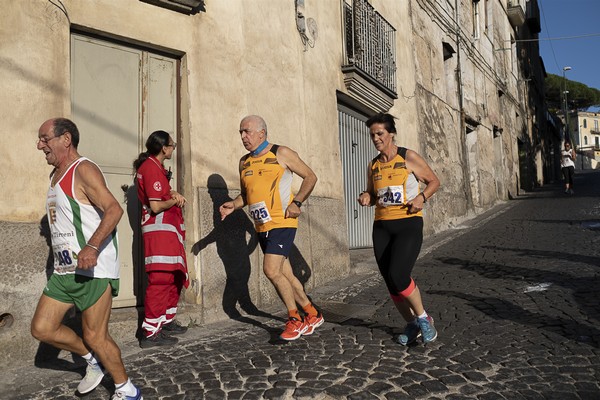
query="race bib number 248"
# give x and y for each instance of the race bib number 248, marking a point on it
(64, 259)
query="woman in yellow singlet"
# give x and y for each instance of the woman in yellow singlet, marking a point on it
(394, 183)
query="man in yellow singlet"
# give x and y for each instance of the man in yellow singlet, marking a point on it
(266, 187)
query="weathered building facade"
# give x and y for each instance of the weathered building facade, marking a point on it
(586, 128)
(449, 70)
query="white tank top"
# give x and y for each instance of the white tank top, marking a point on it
(72, 223)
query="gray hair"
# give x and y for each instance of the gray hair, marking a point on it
(260, 122)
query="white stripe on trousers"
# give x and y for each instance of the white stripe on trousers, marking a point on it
(153, 325)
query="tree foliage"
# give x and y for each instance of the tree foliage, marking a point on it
(579, 97)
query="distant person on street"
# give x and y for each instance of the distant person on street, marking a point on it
(83, 216)
(393, 187)
(266, 181)
(163, 232)
(567, 164)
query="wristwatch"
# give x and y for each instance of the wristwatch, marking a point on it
(298, 203)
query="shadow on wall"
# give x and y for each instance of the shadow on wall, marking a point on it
(134, 217)
(140, 278)
(45, 233)
(299, 266)
(233, 250)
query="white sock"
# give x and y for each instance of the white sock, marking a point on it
(424, 315)
(89, 357)
(126, 387)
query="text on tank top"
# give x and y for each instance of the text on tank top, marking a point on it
(268, 188)
(72, 223)
(394, 185)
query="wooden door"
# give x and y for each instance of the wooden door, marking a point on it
(119, 95)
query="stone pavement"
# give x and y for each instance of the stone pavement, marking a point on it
(514, 294)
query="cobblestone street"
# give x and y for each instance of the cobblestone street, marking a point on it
(514, 293)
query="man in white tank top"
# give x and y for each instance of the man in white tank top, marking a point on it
(83, 216)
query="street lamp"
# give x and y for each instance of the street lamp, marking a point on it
(566, 114)
(566, 107)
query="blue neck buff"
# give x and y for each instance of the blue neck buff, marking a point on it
(260, 148)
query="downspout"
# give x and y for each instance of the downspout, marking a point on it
(463, 128)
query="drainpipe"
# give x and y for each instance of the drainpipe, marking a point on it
(463, 128)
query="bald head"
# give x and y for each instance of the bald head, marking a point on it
(48, 127)
(257, 122)
(55, 127)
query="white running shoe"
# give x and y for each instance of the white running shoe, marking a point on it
(93, 376)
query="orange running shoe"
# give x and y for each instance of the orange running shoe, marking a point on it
(313, 322)
(294, 328)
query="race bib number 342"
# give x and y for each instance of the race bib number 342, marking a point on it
(391, 196)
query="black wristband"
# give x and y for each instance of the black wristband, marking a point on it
(298, 203)
(424, 198)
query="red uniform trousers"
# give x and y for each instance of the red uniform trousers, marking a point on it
(162, 296)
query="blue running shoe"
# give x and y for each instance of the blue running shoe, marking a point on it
(119, 395)
(410, 334)
(427, 329)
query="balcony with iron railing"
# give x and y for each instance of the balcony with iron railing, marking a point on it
(516, 13)
(370, 55)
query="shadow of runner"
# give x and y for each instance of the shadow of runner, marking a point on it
(45, 233)
(552, 255)
(501, 309)
(140, 278)
(370, 316)
(300, 267)
(234, 251)
(583, 288)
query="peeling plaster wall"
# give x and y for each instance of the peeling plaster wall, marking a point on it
(441, 146)
(479, 168)
(24, 269)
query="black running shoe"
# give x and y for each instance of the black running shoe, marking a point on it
(159, 339)
(174, 328)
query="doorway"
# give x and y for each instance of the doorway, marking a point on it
(357, 151)
(119, 95)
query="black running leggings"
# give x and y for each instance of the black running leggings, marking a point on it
(568, 173)
(397, 244)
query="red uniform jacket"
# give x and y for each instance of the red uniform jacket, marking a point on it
(163, 233)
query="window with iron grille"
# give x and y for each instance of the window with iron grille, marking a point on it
(370, 44)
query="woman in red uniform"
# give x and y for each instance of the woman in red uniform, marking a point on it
(164, 241)
(394, 188)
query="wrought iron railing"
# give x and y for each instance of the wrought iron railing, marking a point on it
(370, 43)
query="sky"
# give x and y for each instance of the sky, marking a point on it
(568, 18)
